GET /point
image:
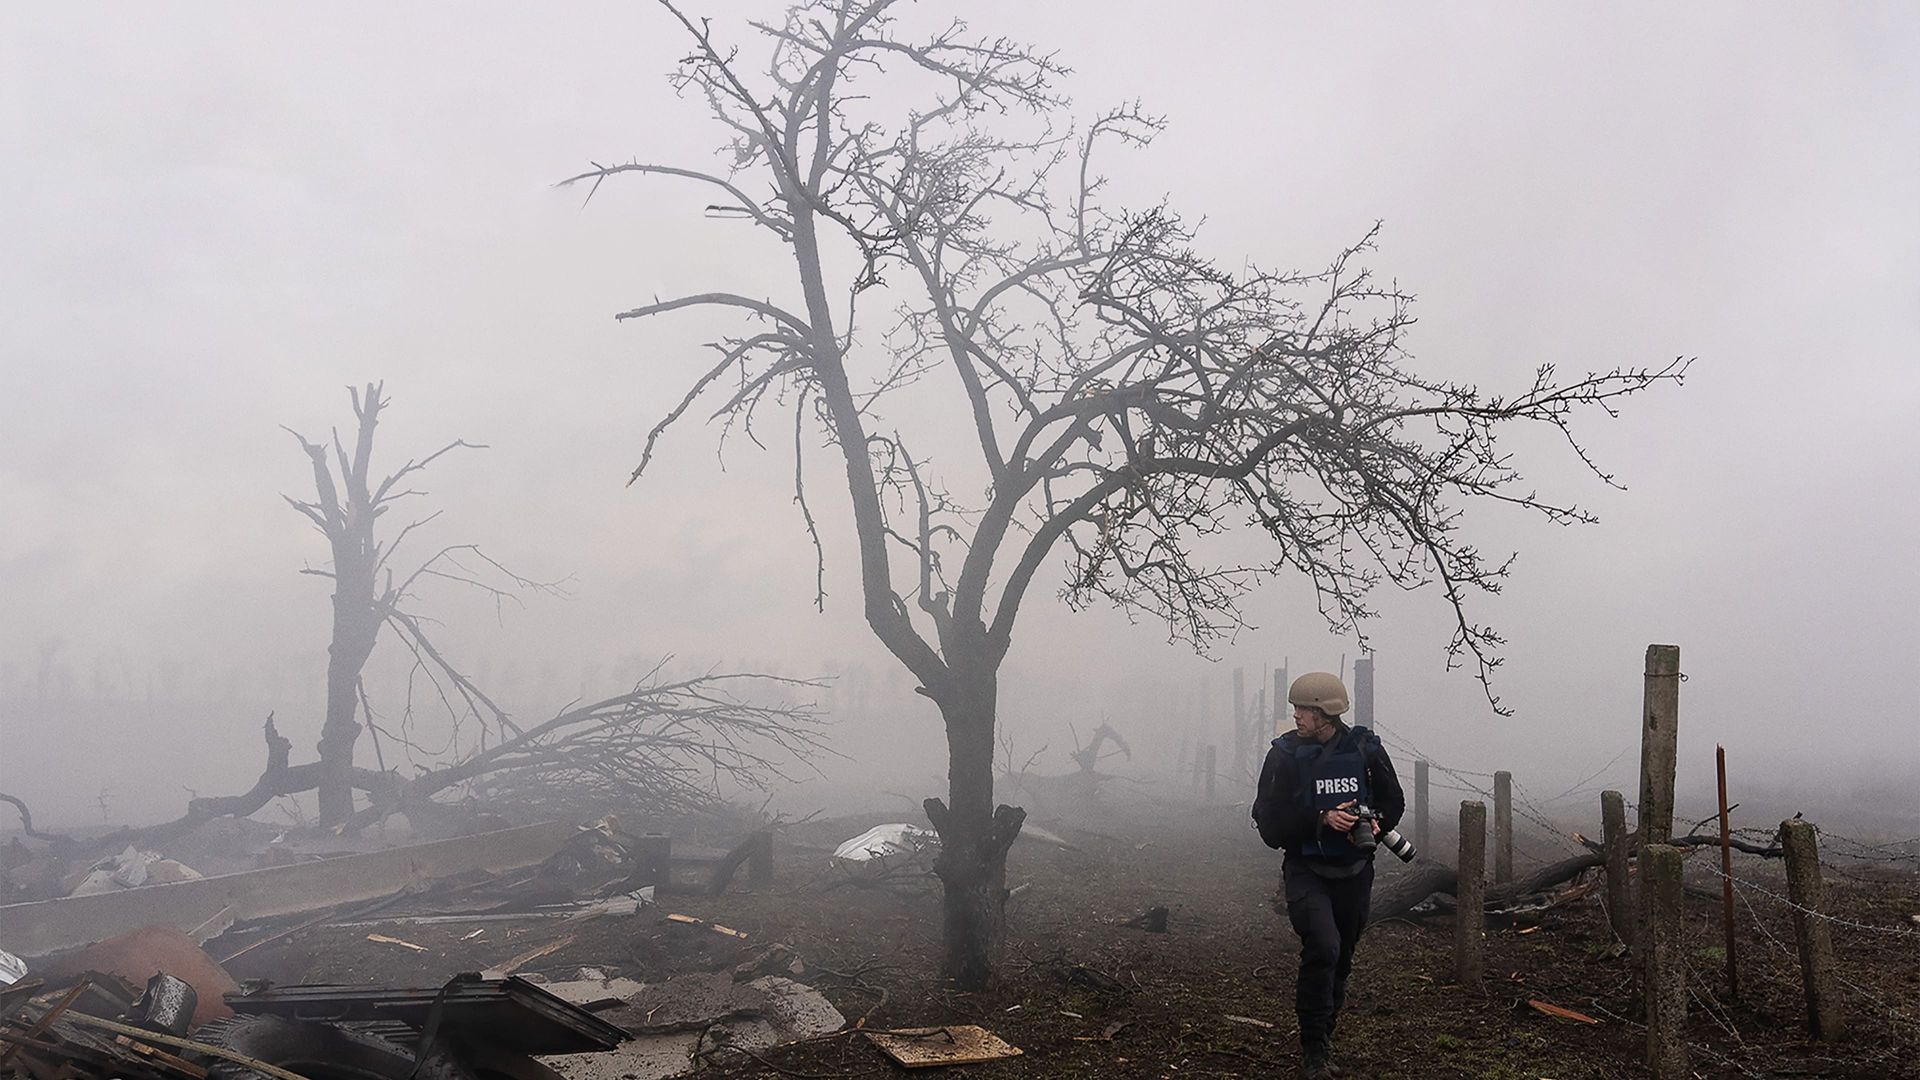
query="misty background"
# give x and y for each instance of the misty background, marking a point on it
(218, 216)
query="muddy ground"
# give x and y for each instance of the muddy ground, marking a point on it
(1084, 994)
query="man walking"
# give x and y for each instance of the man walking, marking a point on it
(1314, 778)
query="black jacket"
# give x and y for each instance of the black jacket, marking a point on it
(1286, 820)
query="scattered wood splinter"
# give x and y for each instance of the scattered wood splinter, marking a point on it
(1565, 1014)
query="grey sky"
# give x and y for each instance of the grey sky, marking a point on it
(217, 216)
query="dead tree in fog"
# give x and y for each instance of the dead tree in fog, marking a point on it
(1125, 396)
(367, 594)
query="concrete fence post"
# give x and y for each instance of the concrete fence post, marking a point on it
(1237, 750)
(1470, 896)
(1363, 691)
(1502, 827)
(1664, 962)
(1421, 834)
(1825, 1021)
(653, 855)
(1659, 743)
(1613, 831)
(760, 859)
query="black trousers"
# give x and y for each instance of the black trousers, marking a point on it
(1329, 915)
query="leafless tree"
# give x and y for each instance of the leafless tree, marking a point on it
(368, 595)
(1125, 396)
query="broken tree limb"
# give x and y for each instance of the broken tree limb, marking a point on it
(1765, 851)
(757, 848)
(26, 823)
(658, 748)
(1397, 896)
(276, 779)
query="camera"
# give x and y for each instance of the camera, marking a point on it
(1362, 837)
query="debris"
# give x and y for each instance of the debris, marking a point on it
(529, 957)
(623, 904)
(131, 869)
(221, 922)
(689, 920)
(1246, 1020)
(195, 1045)
(46, 1021)
(1031, 831)
(594, 860)
(593, 994)
(474, 934)
(755, 853)
(1564, 1014)
(12, 968)
(685, 1003)
(1153, 920)
(888, 842)
(683, 1022)
(509, 1014)
(167, 1005)
(385, 940)
(1082, 975)
(769, 960)
(44, 926)
(144, 953)
(1107, 1033)
(955, 1044)
(171, 1061)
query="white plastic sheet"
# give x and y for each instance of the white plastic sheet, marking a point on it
(888, 842)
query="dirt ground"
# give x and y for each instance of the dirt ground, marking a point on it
(1083, 994)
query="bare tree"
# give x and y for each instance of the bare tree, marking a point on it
(368, 596)
(1125, 397)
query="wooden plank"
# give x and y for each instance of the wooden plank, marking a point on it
(955, 1044)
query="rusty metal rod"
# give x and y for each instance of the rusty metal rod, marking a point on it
(1726, 875)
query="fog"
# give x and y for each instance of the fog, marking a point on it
(218, 217)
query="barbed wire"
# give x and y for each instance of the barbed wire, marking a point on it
(1702, 992)
(1893, 1015)
(1891, 931)
(1691, 1045)
(1868, 852)
(1522, 805)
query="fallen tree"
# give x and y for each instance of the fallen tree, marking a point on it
(663, 749)
(1398, 896)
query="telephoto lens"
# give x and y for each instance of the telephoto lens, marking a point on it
(1398, 844)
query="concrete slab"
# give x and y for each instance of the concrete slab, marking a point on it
(44, 926)
(714, 1013)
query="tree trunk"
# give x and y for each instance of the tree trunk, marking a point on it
(355, 626)
(974, 836)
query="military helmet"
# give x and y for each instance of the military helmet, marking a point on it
(1321, 690)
